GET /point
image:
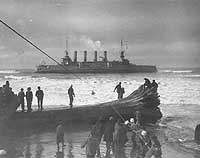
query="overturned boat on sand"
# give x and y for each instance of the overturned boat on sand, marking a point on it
(144, 100)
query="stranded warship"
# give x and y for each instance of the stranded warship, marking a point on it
(104, 66)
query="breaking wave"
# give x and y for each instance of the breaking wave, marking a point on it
(9, 72)
(182, 71)
(16, 77)
(193, 75)
(176, 71)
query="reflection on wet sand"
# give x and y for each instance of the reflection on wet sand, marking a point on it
(41, 143)
(70, 148)
(28, 151)
(39, 150)
(60, 154)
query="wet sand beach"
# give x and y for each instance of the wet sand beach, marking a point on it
(41, 143)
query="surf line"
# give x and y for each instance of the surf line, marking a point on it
(41, 51)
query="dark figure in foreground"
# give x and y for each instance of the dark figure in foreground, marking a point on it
(119, 141)
(91, 145)
(7, 92)
(134, 145)
(197, 134)
(108, 136)
(138, 117)
(71, 96)
(155, 149)
(147, 83)
(118, 88)
(40, 95)
(143, 144)
(59, 136)
(29, 99)
(21, 96)
(98, 130)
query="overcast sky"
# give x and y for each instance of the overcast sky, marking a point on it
(165, 33)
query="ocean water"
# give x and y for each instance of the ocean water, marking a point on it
(179, 91)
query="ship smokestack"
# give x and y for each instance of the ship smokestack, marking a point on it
(122, 55)
(85, 56)
(105, 56)
(75, 56)
(95, 56)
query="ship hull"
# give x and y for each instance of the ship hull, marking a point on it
(93, 68)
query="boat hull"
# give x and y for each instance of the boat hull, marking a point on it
(146, 101)
(86, 114)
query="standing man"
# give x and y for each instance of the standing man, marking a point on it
(91, 145)
(98, 130)
(119, 141)
(40, 95)
(29, 99)
(59, 135)
(71, 95)
(21, 96)
(108, 136)
(118, 87)
(122, 91)
(154, 85)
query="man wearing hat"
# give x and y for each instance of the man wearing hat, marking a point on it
(118, 88)
(40, 95)
(29, 99)
(21, 96)
(108, 135)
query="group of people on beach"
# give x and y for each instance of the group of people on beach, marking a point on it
(114, 133)
(6, 93)
(147, 84)
(29, 98)
(40, 96)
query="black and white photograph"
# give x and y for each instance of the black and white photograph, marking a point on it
(99, 78)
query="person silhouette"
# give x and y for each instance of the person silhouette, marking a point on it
(21, 96)
(40, 95)
(71, 95)
(29, 99)
(118, 88)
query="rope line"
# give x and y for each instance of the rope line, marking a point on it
(36, 47)
(118, 113)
